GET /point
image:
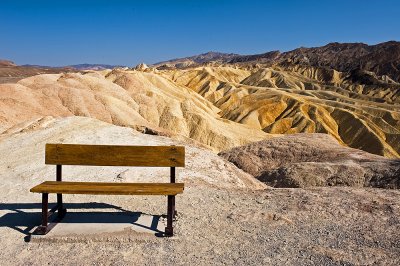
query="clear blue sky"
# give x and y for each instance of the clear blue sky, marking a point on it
(128, 32)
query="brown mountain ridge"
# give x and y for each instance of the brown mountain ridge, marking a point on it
(382, 58)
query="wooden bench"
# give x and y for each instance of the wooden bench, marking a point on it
(107, 155)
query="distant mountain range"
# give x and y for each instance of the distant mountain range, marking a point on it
(6, 63)
(382, 58)
(80, 66)
(200, 59)
(94, 66)
(10, 72)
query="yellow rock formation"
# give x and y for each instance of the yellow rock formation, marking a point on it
(144, 101)
(294, 99)
(219, 106)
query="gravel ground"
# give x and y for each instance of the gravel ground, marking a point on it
(321, 226)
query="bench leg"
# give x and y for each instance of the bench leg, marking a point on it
(169, 230)
(45, 208)
(174, 210)
(43, 229)
(61, 210)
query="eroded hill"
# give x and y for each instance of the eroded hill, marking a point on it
(228, 100)
(137, 99)
(221, 107)
(299, 99)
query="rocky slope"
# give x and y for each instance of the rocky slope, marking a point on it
(141, 100)
(304, 160)
(197, 59)
(33, 135)
(224, 215)
(382, 58)
(296, 99)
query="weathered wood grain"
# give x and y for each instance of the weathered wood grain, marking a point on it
(112, 155)
(102, 188)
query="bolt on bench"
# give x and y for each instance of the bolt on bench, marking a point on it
(109, 155)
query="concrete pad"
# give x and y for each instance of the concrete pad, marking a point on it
(84, 225)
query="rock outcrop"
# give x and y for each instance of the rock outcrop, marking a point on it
(304, 160)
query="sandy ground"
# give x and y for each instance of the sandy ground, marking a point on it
(224, 216)
(325, 226)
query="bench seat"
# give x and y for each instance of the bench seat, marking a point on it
(102, 188)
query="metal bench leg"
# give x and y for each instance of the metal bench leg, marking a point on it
(173, 177)
(61, 210)
(173, 204)
(43, 229)
(45, 207)
(169, 230)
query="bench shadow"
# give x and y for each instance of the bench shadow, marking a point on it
(25, 222)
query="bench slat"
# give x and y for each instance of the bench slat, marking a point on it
(115, 155)
(105, 188)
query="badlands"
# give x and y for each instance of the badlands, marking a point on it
(292, 159)
(221, 107)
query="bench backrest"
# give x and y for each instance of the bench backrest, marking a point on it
(113, 155)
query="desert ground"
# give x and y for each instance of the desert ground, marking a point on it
(225, 216)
